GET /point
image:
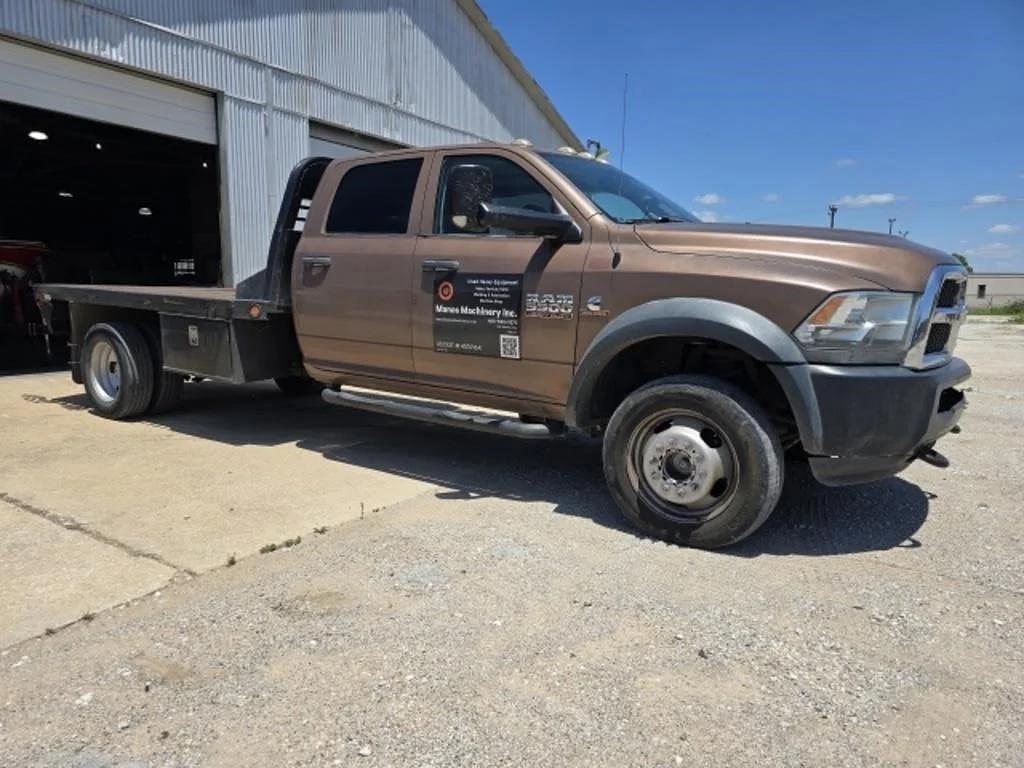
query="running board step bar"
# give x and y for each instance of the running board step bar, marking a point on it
(410, 409)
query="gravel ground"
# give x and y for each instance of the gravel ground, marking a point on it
(508, 618)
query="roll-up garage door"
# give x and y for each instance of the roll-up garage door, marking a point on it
(327, 141)
(74, 86)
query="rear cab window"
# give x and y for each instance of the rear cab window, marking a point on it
(375, 198)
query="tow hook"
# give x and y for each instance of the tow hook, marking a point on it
(929, 455)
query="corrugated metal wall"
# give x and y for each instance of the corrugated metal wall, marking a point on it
(410, 71)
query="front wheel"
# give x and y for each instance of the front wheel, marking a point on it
(693, 460)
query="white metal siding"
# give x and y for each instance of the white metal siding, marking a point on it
(408, 71)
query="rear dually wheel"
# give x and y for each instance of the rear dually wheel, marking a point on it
(117, 369)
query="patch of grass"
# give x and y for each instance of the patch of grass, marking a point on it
(1015, 308)
(88, 616)
(266, 548)
(51, 631)
(232, 560)
(320, 529)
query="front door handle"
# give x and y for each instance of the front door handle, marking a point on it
(316, 261)
(440, 265)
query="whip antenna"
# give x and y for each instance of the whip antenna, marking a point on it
(616, 253)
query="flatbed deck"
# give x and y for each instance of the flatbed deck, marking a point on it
(210, 302)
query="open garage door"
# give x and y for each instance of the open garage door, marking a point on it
(101, 181)
(73, 86)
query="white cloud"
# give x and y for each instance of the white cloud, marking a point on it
(991, 248)
(845, 162)
(996, 257)
(994, 252)
(709, 216)
(709, 198)
(771, 197)
(988, 199)
(860, 201)
(1003, 229)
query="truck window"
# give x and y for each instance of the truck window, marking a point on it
(375, 198)
(513, 187)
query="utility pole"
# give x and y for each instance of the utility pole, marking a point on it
(832, 216)
(891, 222)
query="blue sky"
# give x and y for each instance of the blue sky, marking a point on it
(769, 111)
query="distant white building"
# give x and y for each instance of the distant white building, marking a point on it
(994, 289)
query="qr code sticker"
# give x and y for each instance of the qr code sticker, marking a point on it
(509, 346)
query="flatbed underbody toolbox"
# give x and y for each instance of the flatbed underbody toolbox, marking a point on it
(229, 350)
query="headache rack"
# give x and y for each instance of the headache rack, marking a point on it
(940, 313)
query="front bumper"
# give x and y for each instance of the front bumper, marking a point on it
(875, 420)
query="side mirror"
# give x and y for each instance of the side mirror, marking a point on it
(468, 187)
(554, 226)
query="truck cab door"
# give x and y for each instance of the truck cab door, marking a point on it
(353, 266)
(496, 312)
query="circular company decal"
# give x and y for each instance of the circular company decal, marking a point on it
(445, 291)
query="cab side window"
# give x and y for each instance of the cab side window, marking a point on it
(513, 188)
(375, 198)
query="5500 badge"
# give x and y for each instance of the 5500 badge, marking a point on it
(558, 306)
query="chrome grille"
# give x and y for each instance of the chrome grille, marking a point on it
(940, 313)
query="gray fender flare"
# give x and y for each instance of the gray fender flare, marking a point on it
(720, 321)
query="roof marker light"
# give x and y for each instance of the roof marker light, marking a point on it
(145, 212)
(38, 135)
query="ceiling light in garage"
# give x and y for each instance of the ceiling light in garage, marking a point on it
(38, 135)
(98, 145)
(65, 194)
(145, 212)
(206, 165)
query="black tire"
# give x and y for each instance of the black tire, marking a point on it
(298, 386)
(168, 387)
(167, 392)
(754, 458)
(117, 347)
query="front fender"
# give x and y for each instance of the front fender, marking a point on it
(709, 319)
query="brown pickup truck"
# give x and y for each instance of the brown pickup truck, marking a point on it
(556, 289)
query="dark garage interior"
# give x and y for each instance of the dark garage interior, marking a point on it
(88, 202)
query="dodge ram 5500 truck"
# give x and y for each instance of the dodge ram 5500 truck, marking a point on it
(554, 286)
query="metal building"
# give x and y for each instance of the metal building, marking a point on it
(135, 129)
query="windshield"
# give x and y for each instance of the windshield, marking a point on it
(617, 194)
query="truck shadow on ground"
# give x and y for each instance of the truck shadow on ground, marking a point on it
(811, 519)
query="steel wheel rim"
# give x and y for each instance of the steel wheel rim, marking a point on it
(104, 372)
(682, 465)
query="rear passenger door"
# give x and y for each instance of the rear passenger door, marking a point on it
(353, 267)
(495, 311)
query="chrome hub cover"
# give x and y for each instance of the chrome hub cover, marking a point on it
(683, 463)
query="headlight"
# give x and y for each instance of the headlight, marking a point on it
(858, 327)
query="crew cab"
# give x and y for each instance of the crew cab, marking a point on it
(561, 294)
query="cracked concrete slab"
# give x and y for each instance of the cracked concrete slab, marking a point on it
(50, 576)
(234, 469)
